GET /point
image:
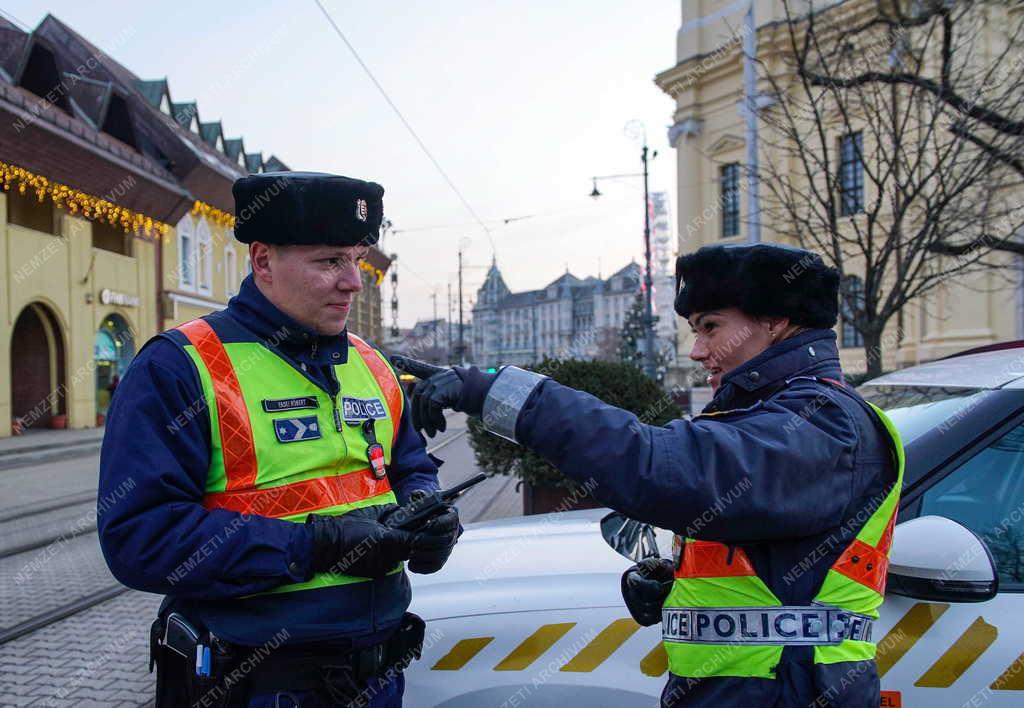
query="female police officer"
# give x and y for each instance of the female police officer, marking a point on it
(782, 493)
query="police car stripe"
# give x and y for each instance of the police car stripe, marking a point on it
(603, 645)
(461, 653)
(905, 633)
(533, 646)
(656, 662)
(1012, 679)
(959, 657)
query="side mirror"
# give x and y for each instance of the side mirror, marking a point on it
(633, 539)
(935, 558)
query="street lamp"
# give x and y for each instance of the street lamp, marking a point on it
(631, 129)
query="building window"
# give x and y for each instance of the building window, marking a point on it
(853, 302)
(851, 174)
(230, 271)
(111, 237)
(186, 253)
(204, 257)
(730, 198)
(26, 210)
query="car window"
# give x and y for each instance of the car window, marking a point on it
(915, 410)
(986, 494)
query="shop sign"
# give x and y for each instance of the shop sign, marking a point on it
(112, 297)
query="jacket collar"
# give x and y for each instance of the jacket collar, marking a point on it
(812, 353)
(255, 312)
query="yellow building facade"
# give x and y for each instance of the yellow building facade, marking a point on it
(116, 223)
(74, 312)
(709, 134)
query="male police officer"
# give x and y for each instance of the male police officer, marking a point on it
(782, 494)
(236, 428)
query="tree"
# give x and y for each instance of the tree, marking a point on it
(892, 145)
(616, 384)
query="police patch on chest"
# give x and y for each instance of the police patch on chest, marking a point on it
(354, 410)
(276, 405)
(296, 429)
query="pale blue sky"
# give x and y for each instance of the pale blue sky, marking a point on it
(520, 101)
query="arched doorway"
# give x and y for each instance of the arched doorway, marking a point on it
(113, 351)
(38, 388)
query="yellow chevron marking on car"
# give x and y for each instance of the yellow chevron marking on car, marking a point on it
(461, 653)
(533, 646)
(602, 646)
(959, 657)
(656, 661)
(905, 633)
(1012, 679)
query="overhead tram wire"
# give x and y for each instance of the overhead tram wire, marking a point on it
(407, 125)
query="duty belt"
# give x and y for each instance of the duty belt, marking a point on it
(813, 625)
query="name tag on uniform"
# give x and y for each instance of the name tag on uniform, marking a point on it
(354, 410)
(276, 405)
(297, 429)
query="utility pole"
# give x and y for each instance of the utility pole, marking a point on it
(750, 94)
(649, 367)
(461, 350)
(449, 321)
(433, 325)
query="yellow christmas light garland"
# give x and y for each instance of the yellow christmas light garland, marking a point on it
(373, 271)
(212, 213)
(79, 203)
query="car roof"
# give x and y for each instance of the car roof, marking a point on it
(992, 369)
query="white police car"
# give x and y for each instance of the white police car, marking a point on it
(528, 612)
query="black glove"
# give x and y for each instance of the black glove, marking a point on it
(434, 542)
(458, 388)
(356, 543)
(645, 587)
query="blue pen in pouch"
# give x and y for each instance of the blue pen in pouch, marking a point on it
(206, 661)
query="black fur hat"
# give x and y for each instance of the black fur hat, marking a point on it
(762, 280)
(309, 208)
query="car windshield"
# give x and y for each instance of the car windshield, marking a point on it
(915, 410)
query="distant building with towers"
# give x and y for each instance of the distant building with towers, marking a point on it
(568, 318)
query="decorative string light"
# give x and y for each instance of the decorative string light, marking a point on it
(212, 213)
(78, 203)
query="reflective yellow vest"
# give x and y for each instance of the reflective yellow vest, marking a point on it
(281, 446)
(721, 619)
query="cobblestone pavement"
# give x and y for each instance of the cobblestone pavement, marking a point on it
(99, 657)
(96, 658)
(44, 579)
(67, 521)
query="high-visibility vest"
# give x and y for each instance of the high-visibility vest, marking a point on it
(721, 619)
(283, 447)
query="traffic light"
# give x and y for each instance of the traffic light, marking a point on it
(492, 370)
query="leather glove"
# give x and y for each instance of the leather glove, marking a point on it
(645, 587)
(356, 543)
(457, 388)
(433, 543)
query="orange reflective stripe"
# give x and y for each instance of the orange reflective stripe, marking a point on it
(708, 559)
(864, 564)
(235, 429)
(868, 565)
(301, 497)
(385, 378)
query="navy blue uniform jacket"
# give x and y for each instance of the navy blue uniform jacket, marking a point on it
(789, 472)
(159, 537)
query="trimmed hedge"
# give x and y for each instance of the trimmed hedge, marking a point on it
(620, 385)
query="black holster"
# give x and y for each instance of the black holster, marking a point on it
(339, 679)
